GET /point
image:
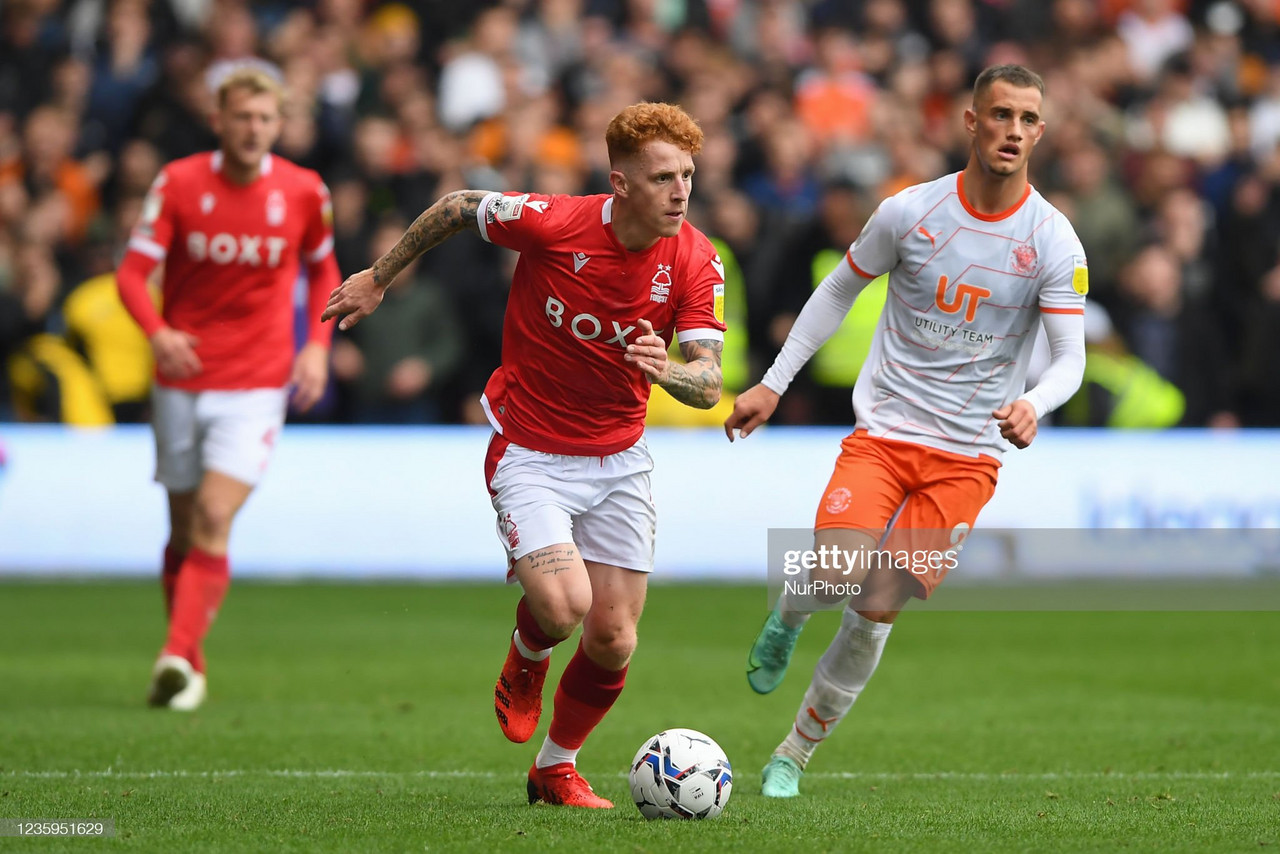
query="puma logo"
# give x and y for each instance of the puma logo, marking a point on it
(932, 240)
(821, 722)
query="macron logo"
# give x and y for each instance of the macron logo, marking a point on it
(580, 260)
(719, 266)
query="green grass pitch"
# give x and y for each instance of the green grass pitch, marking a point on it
(358, 718)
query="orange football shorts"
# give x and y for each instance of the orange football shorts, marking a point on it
(925, 499)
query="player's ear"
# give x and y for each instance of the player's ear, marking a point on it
(618, 181)
(971, 121)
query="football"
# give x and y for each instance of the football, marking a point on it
(680, 773)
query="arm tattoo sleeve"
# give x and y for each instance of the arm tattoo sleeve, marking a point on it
(437, 223)
(697, 383)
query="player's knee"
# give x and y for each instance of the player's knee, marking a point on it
(611, 644)
(212, 517)
(562, 614)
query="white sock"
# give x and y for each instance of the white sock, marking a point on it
(553, 754)
(841, 674)
(531, 654)
(792, 610)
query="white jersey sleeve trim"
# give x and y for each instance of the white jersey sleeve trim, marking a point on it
(150, 248)
(821, 316)
(481, 217)
(488, 413)
(1060, 380)
(699, 335)
(320, 252)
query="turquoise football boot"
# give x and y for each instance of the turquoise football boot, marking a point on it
(770, 654)
(781, 778)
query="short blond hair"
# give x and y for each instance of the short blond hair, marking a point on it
(253, 80)
(640, 124)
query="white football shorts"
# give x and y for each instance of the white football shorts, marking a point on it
(603, 505)
(230, 432)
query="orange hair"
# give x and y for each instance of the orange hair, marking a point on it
(640, 124)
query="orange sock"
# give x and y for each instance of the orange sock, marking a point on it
(202, 582)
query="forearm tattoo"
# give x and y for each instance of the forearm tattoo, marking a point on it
(433, 226)
(696, 383)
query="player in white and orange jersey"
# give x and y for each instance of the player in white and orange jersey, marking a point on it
(975, 261)
(232, 228)
(601, 284)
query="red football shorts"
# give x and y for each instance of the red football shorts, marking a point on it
(925, 499)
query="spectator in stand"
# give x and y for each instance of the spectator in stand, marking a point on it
(392, 365)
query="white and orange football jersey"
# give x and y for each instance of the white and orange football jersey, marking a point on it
(965, 293)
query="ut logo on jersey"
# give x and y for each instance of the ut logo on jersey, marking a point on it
(586, 327)
(225, 248)
(966, 297)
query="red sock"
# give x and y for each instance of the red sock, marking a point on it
(531, 634)
(169, 576)
(585, 693)
(202, 582)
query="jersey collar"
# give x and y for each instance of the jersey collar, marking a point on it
(606, 220)
(264, 168)
(995, 217)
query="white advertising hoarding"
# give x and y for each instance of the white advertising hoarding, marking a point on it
(386, 502)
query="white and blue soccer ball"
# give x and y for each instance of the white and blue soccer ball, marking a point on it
(680, 773)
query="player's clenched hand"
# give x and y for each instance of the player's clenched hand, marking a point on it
(354, 299)
(1017, 422)
(751, 409)
(649, 352)
(175, 353)
(310, 373)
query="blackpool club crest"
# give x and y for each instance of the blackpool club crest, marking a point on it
(1024, 258)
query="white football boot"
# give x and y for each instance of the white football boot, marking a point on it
(176, 685)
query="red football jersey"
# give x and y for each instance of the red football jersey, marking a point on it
(576, 298)
(231, 255)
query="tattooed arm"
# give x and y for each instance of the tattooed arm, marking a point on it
(361, 293)
(698, 381)
(433, 226)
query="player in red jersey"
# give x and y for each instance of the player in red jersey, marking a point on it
(232, 228)
(601, 285)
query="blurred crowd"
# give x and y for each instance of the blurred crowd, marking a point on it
(1163, 148)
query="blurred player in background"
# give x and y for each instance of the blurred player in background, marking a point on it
(601, 284)
(231, 228)
(975, 260)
